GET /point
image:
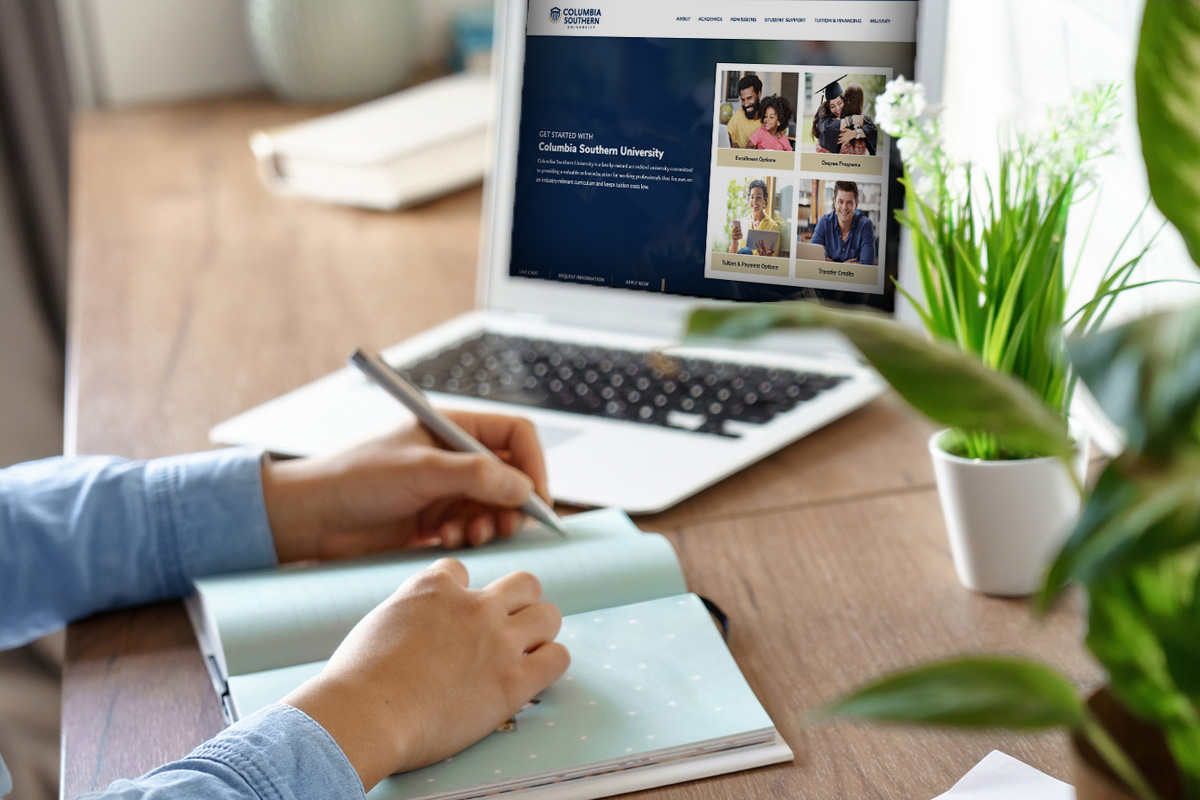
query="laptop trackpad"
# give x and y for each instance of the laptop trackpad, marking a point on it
(552, 436)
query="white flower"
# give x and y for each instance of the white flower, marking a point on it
(899, 107)
(921, 144)
(1076, 135)
(956, 182)
(925, 189)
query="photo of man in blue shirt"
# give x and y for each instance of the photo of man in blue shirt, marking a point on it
(846, 233)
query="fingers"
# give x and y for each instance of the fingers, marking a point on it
(453, 534)
(535, 625)
(452, 567)
(476, 477)
(518, 436)
(480, 530)
(476, 527)
(544, 665)
(455, 522)
(509, 523)
(516, 591)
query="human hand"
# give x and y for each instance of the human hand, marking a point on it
(762, 248)
(401, 490)
(435, 668)
(851, 261)
(735, 230)
(847, 136)
(857, 120)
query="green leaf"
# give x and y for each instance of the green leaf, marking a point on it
(1122, 636)
(1167, 77)
(949, 386)
(1146, 377)
(1140, 629)
(972, 693)
(1137, 513)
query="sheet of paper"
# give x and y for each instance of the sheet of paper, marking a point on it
(1002, 777)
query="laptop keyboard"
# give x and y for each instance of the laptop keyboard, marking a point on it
(711, 397)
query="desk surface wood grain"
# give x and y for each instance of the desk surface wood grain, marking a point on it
(197, 294)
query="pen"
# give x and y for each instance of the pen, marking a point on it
(441, 426)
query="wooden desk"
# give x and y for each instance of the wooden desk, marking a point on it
(197, 294)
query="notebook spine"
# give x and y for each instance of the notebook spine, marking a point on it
(221, 687)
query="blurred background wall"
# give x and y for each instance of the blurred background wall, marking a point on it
(34, 144)
(139, 51)
(1013, 61)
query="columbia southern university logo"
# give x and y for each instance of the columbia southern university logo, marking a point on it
(576, 17)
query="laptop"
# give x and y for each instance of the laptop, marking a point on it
(607, 218)
(808, 251)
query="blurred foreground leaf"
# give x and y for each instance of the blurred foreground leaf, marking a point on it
(1142, 627)
(1146, 377)
(970, 692)
(1136, 514)
(1167, 77)
(938, 379)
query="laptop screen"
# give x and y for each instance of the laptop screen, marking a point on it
(718, 149)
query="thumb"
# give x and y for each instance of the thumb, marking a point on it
(477, 477)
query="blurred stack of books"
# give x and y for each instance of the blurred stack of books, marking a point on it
(395, 151)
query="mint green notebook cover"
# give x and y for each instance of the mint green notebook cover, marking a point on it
(648, 682)
(279, 618)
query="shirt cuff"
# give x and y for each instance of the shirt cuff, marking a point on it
(210, 512)
(279, 752)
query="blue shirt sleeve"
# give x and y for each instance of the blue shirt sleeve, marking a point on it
(866, 241)
(820, 233)
(86, 534)
(279, 753)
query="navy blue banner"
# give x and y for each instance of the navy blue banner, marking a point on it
(615, 147)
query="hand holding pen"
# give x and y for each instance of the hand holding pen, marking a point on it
(442, 427)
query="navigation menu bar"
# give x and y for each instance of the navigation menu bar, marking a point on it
(801, 20)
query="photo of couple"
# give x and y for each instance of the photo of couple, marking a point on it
(842, 108)
(756, 111)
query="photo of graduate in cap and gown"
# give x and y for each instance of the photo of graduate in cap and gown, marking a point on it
(841, 123)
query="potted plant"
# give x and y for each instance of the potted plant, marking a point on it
(1136, 553)
(995, 278)
(1135, 549)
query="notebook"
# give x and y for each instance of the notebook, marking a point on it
(652, 697)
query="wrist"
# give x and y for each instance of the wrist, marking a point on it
(289, 494)
(374, 748)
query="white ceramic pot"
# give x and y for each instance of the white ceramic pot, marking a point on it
(1007, 520)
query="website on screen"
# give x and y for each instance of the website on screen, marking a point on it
(715, 149)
